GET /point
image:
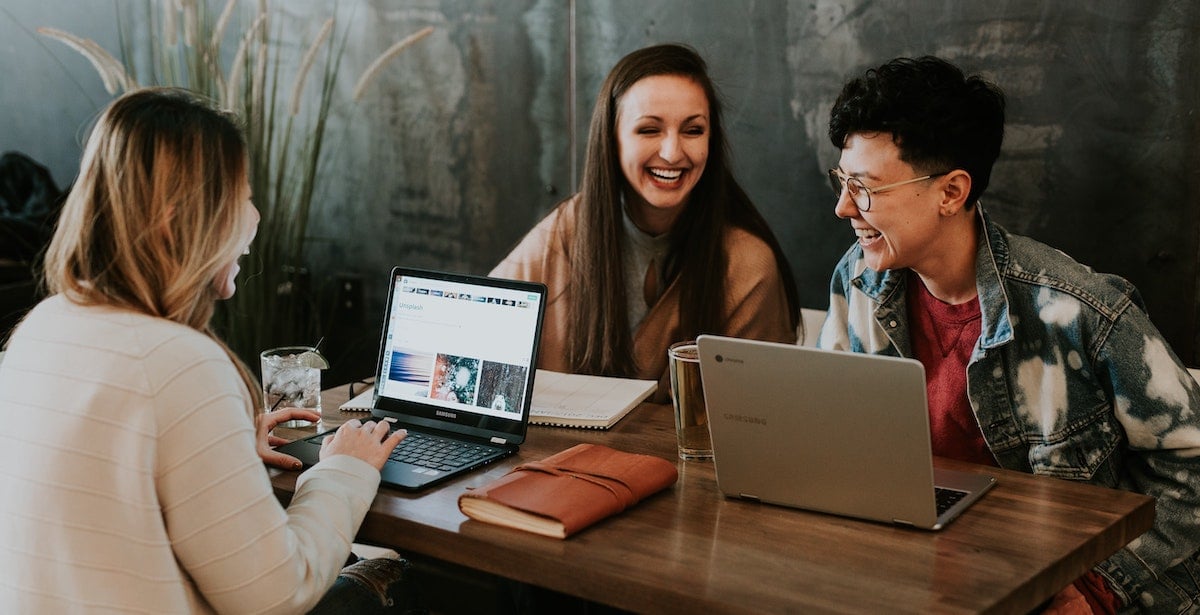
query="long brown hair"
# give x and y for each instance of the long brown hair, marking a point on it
(155, 213)
(601, 342)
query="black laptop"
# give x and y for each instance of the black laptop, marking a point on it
(456, 365)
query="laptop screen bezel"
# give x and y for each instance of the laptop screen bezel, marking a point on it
(429, 416)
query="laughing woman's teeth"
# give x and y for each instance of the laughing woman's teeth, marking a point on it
(665, 174)
(866, 233)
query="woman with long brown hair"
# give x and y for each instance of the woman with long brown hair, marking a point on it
(660, 244)
(131, 474)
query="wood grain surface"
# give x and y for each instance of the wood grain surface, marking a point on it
(691, 549)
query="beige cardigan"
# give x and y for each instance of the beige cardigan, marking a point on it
(129, 480)
(755, 300)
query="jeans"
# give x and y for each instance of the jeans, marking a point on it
(370, 586)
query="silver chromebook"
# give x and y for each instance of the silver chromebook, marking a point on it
(835, 432)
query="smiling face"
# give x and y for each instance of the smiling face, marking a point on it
(662, 138)
(224, 284)
(903, 226)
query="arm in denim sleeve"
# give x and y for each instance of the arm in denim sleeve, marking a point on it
(835, 332)
(1155, 399)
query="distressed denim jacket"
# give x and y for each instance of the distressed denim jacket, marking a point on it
(1069, 379)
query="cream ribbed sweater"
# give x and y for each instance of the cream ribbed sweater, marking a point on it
(129, 479)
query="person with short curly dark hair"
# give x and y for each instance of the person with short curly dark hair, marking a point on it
(950, 121)
(1033, 361)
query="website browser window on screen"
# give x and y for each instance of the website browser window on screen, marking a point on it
(460, 346)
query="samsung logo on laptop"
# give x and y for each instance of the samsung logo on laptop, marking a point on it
(745, 418)
(446, 415)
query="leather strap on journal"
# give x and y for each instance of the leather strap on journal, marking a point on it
(620, 490)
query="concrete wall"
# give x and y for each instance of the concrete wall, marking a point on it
(471, 136)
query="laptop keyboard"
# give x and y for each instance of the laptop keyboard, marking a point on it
(947, 498)
(438, 453)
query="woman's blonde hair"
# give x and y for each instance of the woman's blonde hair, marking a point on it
(155, 213)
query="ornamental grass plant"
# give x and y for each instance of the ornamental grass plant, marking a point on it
(284, 93)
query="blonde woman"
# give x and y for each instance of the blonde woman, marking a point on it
(131, 474)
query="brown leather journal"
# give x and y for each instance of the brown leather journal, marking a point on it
(568, 491)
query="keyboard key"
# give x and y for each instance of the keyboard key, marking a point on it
(947, 498)
(437, 453)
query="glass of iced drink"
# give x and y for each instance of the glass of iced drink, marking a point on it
(291, 378)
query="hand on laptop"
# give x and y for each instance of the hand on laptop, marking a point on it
(265, 422)
(369, 442)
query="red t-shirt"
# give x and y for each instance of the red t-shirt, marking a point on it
(942, 337)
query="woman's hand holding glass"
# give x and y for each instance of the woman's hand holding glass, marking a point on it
(265, 440)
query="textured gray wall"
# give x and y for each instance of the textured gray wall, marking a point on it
(471, 136)
(47, 92)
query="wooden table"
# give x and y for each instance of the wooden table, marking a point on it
(688, 549)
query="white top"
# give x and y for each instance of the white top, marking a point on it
(129, 479)
(641, 249)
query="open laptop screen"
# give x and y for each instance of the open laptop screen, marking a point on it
(458, 352)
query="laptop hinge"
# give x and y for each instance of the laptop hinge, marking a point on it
(746, 496)
(496, 440)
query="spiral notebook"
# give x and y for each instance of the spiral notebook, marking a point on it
(591, 402)
(564, 400)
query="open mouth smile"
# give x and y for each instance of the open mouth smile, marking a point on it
(665, 176)
(867, 236)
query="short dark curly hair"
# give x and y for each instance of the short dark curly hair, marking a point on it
(939, 118)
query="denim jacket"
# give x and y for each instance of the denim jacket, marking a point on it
(1069, 378)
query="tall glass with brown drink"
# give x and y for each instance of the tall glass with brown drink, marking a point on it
(687, 395)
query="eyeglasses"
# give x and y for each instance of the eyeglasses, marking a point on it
(860, 194)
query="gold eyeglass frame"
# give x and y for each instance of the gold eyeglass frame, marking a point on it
(840, 182)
